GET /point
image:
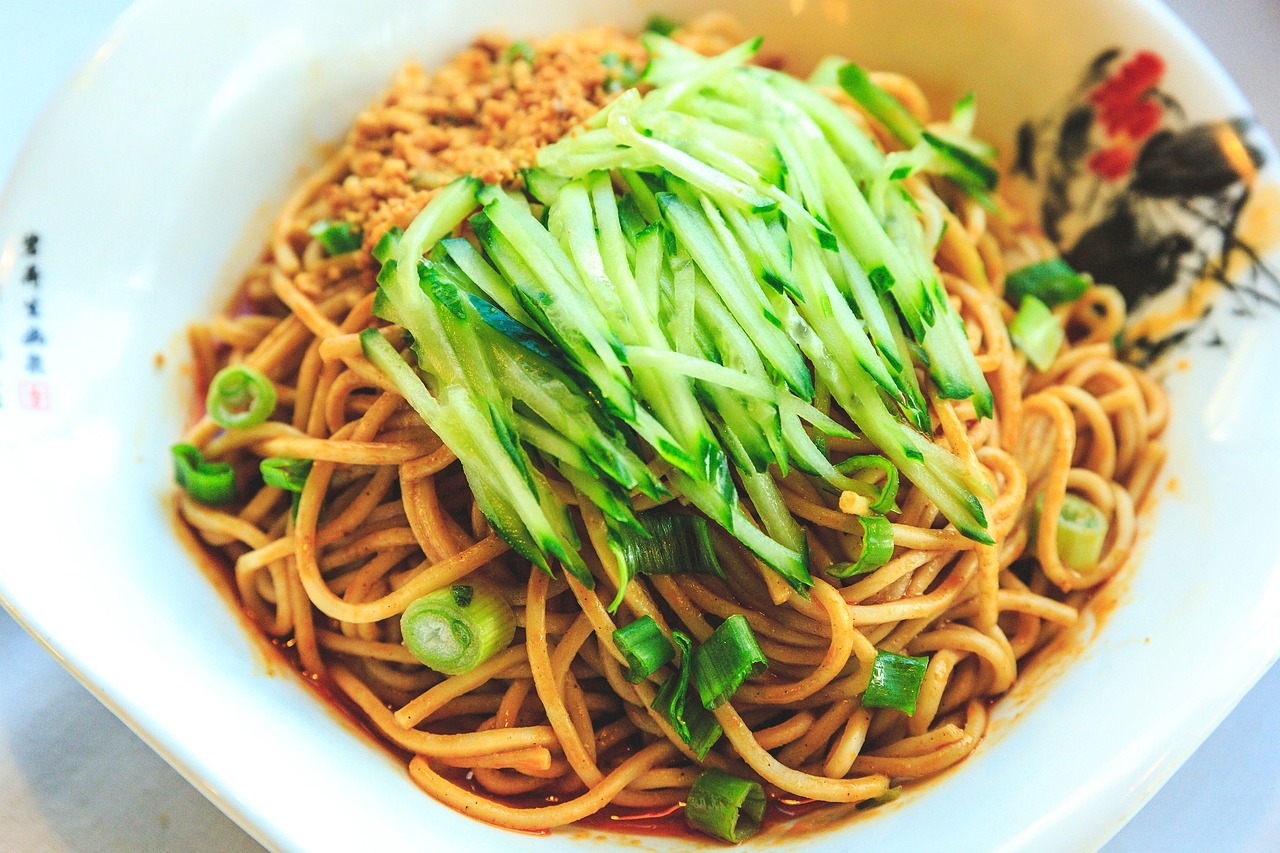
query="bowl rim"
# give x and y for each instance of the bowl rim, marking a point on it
(189, 763)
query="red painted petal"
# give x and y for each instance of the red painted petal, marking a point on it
(1143, 119)
(1111, 163)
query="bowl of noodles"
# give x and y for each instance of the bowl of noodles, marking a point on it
(575, 425)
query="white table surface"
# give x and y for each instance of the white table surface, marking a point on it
(74, 778)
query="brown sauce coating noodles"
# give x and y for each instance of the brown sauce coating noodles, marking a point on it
(386, 515)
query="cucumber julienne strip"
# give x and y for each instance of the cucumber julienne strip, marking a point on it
(941, 479)
(558, 399)
(832, 318)
(763, 253)
(855, 222)
(915, 289)
(470, 387)
(742, 251)
(959, 158)
(572, 207)
(791, 564)
(672, 402)
(484, 436)
(797, 134)
(705, 138)
(616, 506)
(698, 72)
(696, 235)
(515, 496)
(761, 443)
(698, 368)
(767, 499)
(515, 509)
(560, 299)
(474, 266)
(917, 295)
(719, 340)
(706, 178)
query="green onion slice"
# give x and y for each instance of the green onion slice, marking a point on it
(212, 483)
(1037, 332)
(889, 491)
(644, 647)
(519, 50)
(386, 247)
(725, 806)
(622, 74)
(1052, 281)
(887, 797)
(966, 164)
(877, 548)
(729, 657)
(884, 107)
(895, 682)
(963, 160)
(456, 628)
(240, 397)
(677, 543)
(1082, 531)
(287, 474)
(693, 723)
(338, 238)
(661, 24)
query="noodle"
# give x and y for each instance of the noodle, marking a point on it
(386, 516)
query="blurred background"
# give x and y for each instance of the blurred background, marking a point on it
(74, 778)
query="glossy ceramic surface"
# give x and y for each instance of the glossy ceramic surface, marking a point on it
(149, 185)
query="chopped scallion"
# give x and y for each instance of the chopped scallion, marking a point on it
(338, 238)
(385, 249)
(1037, 332)
(887, 797)
(212, 483)
(877, 548)
(693, 723)
(644, 647)
(1052, 281)
(456, 628)
(895, 682)
(287, 474)
(240, 397)
(519, 50)
(622, 73)
(889, 491)
(676, 543)
(724, 806)
(1082, 531)
(729, 657)
(661, 24)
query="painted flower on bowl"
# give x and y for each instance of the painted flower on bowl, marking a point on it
(1144, 199)
(1128, 107)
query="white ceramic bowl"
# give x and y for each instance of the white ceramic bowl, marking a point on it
(150, 183)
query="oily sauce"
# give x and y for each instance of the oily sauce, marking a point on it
(280, 656)
(785, 813)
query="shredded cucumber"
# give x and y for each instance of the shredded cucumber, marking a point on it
(703, 256)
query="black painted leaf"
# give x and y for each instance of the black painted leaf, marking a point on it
(1193, 162)
(1024, 160)
(1073, 138)
(1171, 104)
(1098, 69)
(1055, 204)
(1139, 261)
(1144, 351)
